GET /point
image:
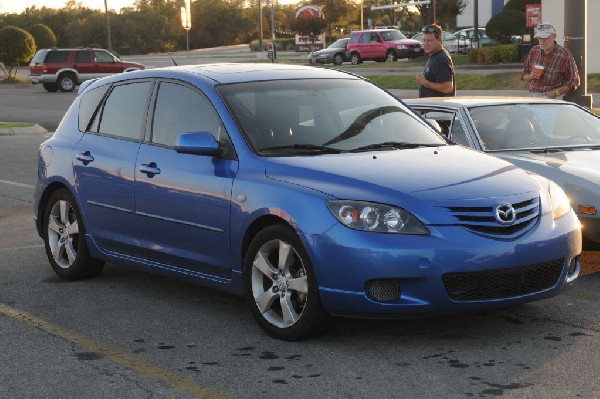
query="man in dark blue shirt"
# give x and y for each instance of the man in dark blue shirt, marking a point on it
(437, 79)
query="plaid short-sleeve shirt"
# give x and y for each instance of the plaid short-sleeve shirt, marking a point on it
(559, 69)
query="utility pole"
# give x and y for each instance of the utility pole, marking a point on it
(475, 24)
(260, 32)
(576, 42)
(107, 26)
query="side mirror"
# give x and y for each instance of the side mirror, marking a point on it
(200, 143)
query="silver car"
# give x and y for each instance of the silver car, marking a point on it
(556, 139)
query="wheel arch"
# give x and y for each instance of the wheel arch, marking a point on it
(257, 225)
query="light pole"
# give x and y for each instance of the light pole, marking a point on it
(186, 23)
(107, 26)
(260, 32)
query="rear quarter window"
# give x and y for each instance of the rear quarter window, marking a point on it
(57, 57)
(88, 105)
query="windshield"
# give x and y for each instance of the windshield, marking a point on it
(339, 43)
(515, 126)
(390, 35)
(315, 116)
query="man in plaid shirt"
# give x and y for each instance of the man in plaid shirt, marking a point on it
(560, 75)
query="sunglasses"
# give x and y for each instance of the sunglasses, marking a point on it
(432, 29)
(545, 26)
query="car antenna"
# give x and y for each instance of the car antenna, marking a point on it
(172, 59)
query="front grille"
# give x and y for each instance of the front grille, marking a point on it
(481, 219)
(502, 283)
(384, 290)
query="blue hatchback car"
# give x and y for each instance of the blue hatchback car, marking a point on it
(311, 192)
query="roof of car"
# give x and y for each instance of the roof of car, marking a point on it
(468, 101)
(238, 72)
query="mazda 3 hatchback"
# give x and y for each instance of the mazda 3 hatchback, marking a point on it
(311, 192)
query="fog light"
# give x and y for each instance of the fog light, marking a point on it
(384, 290)
(587, 209)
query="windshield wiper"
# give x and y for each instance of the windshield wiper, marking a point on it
(574, 147)
(300, 149)
(392, 145)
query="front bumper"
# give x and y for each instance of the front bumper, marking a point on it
(410, 52)
(418, 264)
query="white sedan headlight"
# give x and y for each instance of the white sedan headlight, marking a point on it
(552, 198)
(370, 216)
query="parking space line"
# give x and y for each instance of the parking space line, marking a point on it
(15, 183)
(133, 362)
(583, 295)
(23, 247)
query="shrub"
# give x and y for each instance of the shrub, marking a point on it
(508, 53)
(16, 46)
(43, 35)
(473, 56)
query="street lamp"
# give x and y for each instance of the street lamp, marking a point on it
(186, 23)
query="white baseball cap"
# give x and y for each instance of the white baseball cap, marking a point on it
(544, 31)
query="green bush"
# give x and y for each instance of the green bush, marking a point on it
(282, 44)
(508, 53)
(16, 46)
(473, 56)
(43, 35)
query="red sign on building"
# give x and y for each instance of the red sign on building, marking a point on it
(533, 15)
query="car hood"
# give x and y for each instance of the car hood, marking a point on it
(410, 42)
(575, 170)
(403, 176)
(329, 50)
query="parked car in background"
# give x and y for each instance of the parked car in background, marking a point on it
(555, 139)
(484, 39)
(382, 45)
(336, 53)
(451, 42)
(63, 69)
(457, 44)
(310, 191)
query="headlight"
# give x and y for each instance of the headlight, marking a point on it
(401, 46)
(553, 199)
(370, 216)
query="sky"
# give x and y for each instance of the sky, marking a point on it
(18, 6)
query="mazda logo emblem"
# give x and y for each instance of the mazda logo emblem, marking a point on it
(505, 214)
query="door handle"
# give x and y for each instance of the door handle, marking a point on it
(85, 157)
(149, 169)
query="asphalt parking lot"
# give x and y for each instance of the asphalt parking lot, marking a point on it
(136, 335)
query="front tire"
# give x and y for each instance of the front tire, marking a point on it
(391, 56)
(281, 287)
(338, 59)
(64, 239)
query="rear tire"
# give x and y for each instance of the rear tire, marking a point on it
(64, 239)
(67, 82)
(355, 59)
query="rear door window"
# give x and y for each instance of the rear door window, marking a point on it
(125, 110)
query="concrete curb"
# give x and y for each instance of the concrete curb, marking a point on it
(14, 131)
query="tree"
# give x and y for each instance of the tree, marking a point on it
(43, 35)
(16, 46)
(445, 12)
(502, 26)
(309, 25)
